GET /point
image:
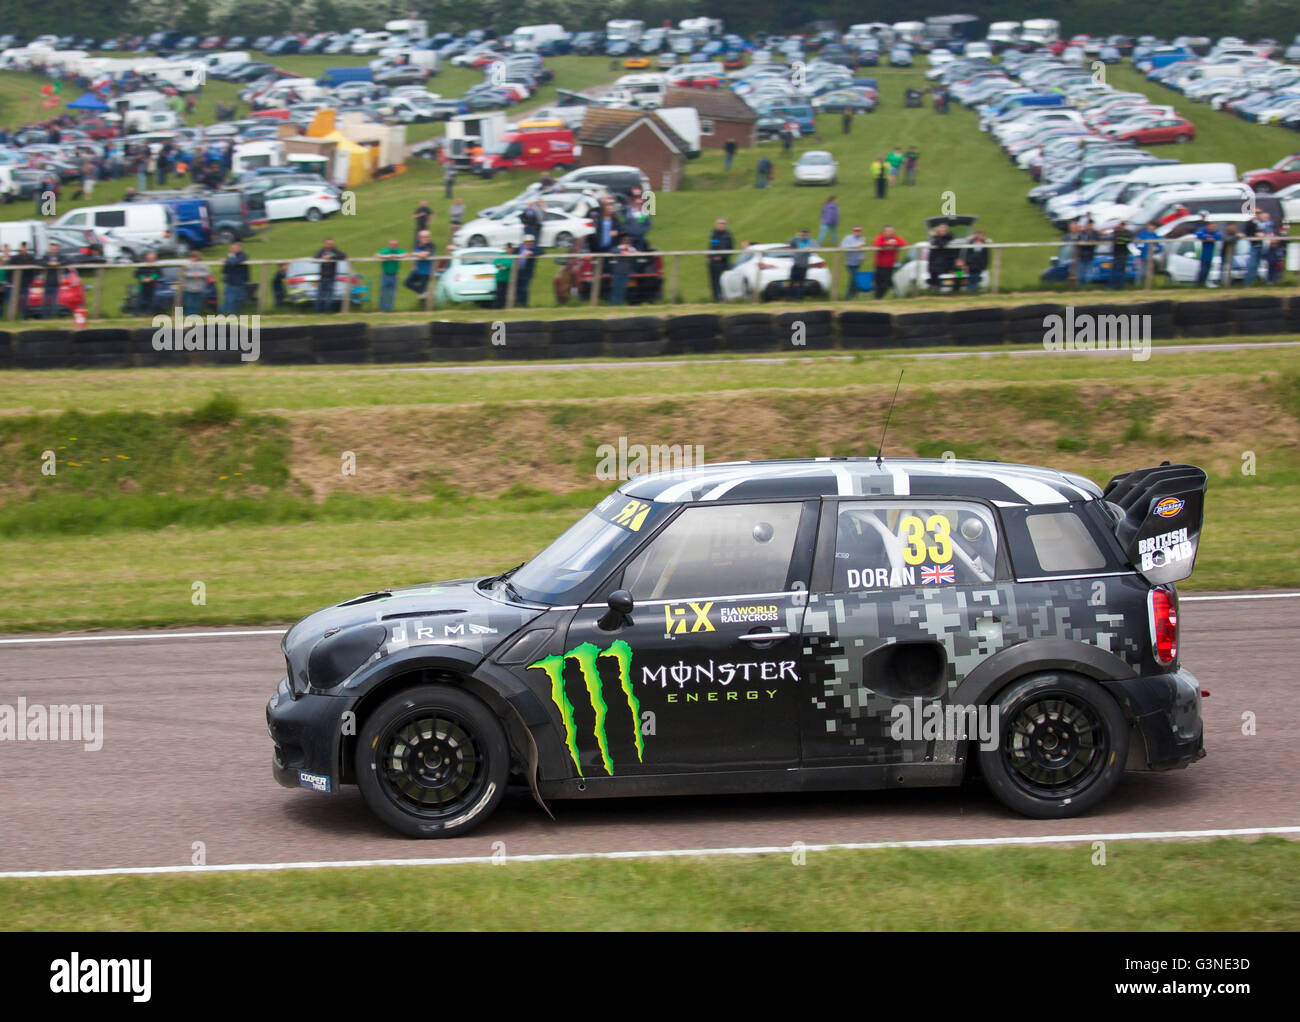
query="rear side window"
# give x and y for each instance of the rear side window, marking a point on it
(1057, 540)
(110, 218)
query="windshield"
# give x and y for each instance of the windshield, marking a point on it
(599, 540)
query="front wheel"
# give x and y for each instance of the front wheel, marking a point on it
(1183, 138)
(432, 761)
(564, 240)
(1062, 746)
(313, 215)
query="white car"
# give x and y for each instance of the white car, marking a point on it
(765, 270)
(302, 202)
(559, 229)
(471, 276)
(1183, 261)
(816, 167)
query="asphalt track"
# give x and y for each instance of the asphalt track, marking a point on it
(186, 759)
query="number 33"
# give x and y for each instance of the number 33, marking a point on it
(915, 531)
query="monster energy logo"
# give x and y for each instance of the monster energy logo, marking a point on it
(587, 657)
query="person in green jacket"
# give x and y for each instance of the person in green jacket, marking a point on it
(503, 264)
(388, 269)
(895, 161)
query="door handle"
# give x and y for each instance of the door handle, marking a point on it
(764, 636)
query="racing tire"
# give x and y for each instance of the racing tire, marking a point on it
(1062, 746)
(456, 791)
(478, 241)
(312, 215)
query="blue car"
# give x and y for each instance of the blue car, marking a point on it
(1097, 271)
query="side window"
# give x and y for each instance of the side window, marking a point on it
(1059, 540)
(110, 218)
(884, 545)
(722, 549)
(77, 219)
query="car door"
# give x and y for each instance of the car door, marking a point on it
(905, 601)
(709, 662)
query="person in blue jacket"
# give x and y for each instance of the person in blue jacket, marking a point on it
(1209, 236)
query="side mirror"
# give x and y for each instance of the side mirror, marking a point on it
(619, 613)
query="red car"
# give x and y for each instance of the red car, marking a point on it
(1167, 129)
(1282, 174)
(72, 294)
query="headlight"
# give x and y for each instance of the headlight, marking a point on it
(337, 656)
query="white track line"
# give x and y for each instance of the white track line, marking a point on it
(662, 853)
(281, 631)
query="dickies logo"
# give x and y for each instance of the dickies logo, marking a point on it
(1169, 507)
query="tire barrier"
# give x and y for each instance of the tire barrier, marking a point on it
(646, 336)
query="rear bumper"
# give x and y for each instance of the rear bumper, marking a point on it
(1165, 709)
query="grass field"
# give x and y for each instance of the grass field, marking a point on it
(959, 166)
(160, 484)
(1142, 886)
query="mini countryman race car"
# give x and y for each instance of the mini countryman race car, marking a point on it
(772, 626)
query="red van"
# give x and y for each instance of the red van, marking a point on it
(543, 149)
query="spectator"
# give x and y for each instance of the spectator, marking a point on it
(24, 278)
(763, 175)
(855, 250)
(895, 160)
(129, 195)
(147, 278)
(621, 271)
(846, 121)
(456, 213)
(234, 274)
(503, 263)
(6, 259)
(449, 180)
(1227, 251)
(1257, 230)
(278, 288)
(887, 245)
(52, 262)
(140, 164)
(532, 216)
(880, 174)
(421, 217)
(327, 259)
(418, 279)
(608, 228)
(942, 258)
(719, 241)
(388, 270)
(787, 138)
(975, 259)
(1209, 237)
(830, 222)
(910, 159)
(194, 284)
(801, 243)
(728, 153)
(1146, 253)
(1121, 236)
(1085, 246)
(527, 263)
(636, 226)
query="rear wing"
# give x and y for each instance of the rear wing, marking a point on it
(1162, 509)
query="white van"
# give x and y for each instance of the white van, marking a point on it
(1142, 180)
(1156, 202)
(527, 38)
(148, 223)
(14, 232)
(373, 42)
(140, 121)
(646, 91)
(254, 155)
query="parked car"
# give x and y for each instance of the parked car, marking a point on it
(558, 229)
(302, 201)
(816, 167)
(1284, 173)
(470, 276)
(303, 276)
(765, 270)
(1167, 129)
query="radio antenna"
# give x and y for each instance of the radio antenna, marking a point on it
(881, 448)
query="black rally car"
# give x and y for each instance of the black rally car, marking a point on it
(772, 626)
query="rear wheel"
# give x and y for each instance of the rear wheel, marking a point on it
(564, 240)
(313, 215)
(478, 241)
(1183, 138)
(1063, 743)
(432, 761)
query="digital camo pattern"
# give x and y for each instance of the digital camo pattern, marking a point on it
(971, 623)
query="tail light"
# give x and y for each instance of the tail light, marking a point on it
(1164, 625)
(767, 266)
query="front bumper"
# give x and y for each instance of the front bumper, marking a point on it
(1165, 709)
(306, 734)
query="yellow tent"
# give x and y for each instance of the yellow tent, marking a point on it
(361, 160)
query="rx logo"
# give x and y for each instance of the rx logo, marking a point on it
(675, 619)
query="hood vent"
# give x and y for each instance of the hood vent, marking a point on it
(420, 613)
(383, 594)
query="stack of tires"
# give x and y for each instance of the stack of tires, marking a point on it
(44, 349)
(340, 343)
(979, 328)
(1262, 315)
(577, 338)
(6, 349)
(103, 348)
(749, 331)
(866, 329)
(1204, 319)
(635, 336)
(802, 331)
(1293, 316)
(461, 342)
(287, 345)
(1162, 324)
(695, 334)
(1025, 323)
(405, 342)
(923, 329)
(521, 339)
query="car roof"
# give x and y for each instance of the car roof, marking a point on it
(998, 482)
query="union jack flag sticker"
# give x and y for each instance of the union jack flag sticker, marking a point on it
(939, 573)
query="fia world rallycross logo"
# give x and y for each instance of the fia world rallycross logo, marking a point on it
(587, 656)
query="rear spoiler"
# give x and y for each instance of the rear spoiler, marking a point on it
(1162, 509)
